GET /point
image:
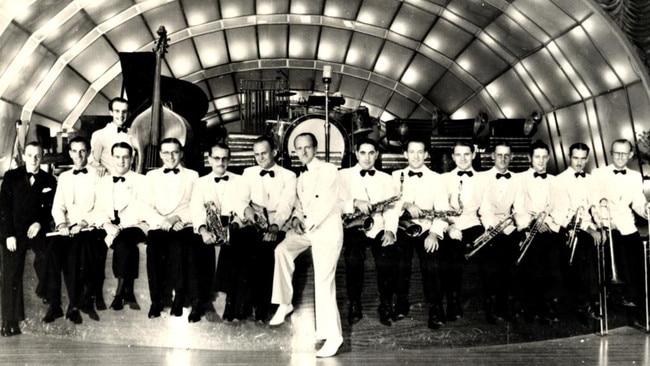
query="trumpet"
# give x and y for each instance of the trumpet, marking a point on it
(574, 226)
(525, 244)
(414, 229)
(214, 225)
(604, 209)
(364, 222)
(488, 235)
(261, 217)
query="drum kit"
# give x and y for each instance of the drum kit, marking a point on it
(309, 116)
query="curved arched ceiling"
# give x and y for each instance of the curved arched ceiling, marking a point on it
(405, 59)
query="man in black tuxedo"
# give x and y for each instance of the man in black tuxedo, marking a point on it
(25, 214)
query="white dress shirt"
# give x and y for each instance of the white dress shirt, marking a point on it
(74, 199)
(578, 190)
(536, 195)
(277, 194)
(372, 188)
(227, 195)
(101, 143)
(169, 194)
(469, 190)
(498, 198)
(318, 194)
(624, 192)
(426, 191)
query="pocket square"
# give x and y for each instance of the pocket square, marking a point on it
(46, 189)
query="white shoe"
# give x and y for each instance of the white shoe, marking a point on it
(282, 312)
(330, 347)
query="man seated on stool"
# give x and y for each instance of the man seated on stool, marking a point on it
(317, 224)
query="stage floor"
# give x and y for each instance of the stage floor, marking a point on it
(129, 336)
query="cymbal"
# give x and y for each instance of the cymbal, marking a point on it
(286, 93)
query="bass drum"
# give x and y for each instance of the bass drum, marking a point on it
(315, 124)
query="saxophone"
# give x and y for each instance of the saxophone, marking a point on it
(364, 222)
(413, 229)
(261, 217)
(525, 244)
(488, 235)
(214, 225)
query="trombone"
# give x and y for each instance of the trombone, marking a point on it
(488, 235)
(525, 244)
(607, 227)
(574, 226)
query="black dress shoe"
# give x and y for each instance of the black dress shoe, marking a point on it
(118, 303)
(385, 313)
(454, 310)
(53, 313)
(354, 312)
(196, 313)
(129, 299)
(100, 304)
(177, 308)
(155, 310)
(5, 331)
(90, 311)
(14, 329)
(436, 317)
(74, 316)
(402, 308)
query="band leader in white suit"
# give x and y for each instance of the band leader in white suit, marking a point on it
(317, 225)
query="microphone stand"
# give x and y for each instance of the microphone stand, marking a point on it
(327, 80)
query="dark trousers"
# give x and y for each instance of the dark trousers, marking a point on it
(629, 258)
(93, 264)
(386, 258)
(496, 264)
(261, 272)
(234, 268)
(167, 253)
(201, 266)
(126, 256)
(70, 259)
(581, 274)
(540, 271)
(429, 267)
(452, 260)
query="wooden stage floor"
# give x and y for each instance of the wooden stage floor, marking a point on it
(129, 337)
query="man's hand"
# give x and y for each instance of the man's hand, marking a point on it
(111, 229)
(63, 229)
(272, 234)
(101, 170)
(414, 210)
(388, 239)
(431, 243)
(170, 222)
(207, 237)
(544, 228)
(298, 226)
(11, 244)
(455, 234)
(363, 206)
(249, 214)
(33, 230)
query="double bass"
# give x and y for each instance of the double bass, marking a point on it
(159, 121)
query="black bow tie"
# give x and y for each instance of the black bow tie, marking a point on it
(363, 172)
(465, 172)
(541, 175)
(622, 171)
(122, 129)
(506, 175)
(174, 170)
(580, 174)
(412, 173)
(219, 179)
(119, 179)
(271, 173)
(82, 171)
(302, 169)
(29, 175)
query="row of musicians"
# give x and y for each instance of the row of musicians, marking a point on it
(166, 209)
